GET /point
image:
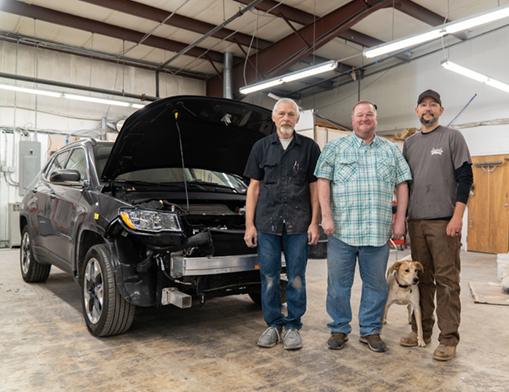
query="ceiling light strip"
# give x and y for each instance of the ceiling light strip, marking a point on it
(300, 74)
(474, 75)
(96, 100)
(30, 90)
(449, 28)
(55, 94)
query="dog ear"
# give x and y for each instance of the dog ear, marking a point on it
(419, 266)
(395, 266)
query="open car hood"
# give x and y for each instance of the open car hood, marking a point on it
(217, 134)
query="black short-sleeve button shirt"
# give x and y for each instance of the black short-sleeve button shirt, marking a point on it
(284, 200)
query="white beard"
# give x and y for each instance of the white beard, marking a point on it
(286, 130)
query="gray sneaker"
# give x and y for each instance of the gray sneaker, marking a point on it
(292, 339)
(270, 337)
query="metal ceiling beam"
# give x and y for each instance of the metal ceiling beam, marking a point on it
(239, 14)
(418, 12)
(281, 55)
(301, 17)
(182, 22)
(274, 8)
(73, 21)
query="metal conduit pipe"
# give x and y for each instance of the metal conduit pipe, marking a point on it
(227, 75)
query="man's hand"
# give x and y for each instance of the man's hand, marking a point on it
(251, 237)
(399, 230)
(454, 227)
(313, 234)
(327, 225)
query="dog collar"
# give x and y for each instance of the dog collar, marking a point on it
(401, 285)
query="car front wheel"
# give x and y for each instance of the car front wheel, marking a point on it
(31, 270)
(106, 312)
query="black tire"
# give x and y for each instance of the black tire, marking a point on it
(31, 270)
(106, 312)
(257, 297)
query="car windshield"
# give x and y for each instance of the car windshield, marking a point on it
(101, 153)
(191, 175)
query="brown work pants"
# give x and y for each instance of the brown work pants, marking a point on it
(439, 254)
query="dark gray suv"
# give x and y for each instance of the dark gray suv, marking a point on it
(155, 218)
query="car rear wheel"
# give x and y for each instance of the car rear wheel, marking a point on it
(257, 297)
(31, 270)
(106, 312)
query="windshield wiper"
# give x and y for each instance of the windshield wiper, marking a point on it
(181, 184)
(213, 185)
(146, 183)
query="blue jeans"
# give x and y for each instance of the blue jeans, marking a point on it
(341, 260)
(296, 250)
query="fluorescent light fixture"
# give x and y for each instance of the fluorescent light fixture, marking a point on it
(30, 90)
(474, 75)
(449, 28)
(497, 84)
(55, 94)
(96, 100)
(260, 86)
(274, 96)
(300, 74)
(464, 71)
(475, 21)
(310, 71)
(403, 43)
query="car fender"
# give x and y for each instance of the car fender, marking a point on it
(88, 235)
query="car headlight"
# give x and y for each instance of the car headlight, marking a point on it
(144, 220)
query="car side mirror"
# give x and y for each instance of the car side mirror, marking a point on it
(65, 175)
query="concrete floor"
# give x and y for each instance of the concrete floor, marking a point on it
(45, 346)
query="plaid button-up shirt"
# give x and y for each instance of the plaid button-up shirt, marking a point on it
(362, 178)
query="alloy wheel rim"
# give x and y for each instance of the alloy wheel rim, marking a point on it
(25, 253)
(93, 290)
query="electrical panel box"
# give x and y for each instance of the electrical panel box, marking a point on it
(14, 234)
(29, 163)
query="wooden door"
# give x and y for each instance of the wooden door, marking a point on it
(488, 210)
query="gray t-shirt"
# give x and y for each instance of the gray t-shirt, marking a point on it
(433, 158)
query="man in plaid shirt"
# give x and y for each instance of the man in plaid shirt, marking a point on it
(357, 175)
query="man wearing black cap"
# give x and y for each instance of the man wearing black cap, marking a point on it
(442, 178)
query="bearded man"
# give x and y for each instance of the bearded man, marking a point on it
(442, 171)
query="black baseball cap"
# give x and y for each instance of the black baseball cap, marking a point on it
(430, 93)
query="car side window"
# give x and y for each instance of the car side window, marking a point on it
(57, 163)
(78, 161)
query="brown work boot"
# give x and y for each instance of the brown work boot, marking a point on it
(374, 342)
(411, 340)
(337, 340)
(444, 353)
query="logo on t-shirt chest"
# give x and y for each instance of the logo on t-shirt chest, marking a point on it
(437, 151)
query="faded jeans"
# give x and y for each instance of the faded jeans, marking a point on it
(296, 250)
(341, 261)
